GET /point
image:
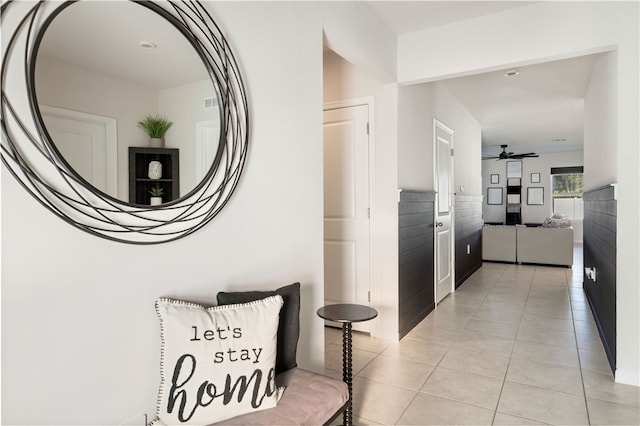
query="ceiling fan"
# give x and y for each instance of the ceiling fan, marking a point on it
(504, 155)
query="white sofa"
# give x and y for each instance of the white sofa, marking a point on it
(521, 244)
(499, 243)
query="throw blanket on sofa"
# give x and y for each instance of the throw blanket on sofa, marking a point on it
(557, 221)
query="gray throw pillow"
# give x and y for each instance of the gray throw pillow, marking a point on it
(289, 326)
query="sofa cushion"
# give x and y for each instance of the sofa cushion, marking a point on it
(289, 327)
(499, 243)
(308, 399)
(216, 362)
(548, 246)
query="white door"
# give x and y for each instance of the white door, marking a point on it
(346, 205)
(443, 234)
(88, 143)
(207, 139)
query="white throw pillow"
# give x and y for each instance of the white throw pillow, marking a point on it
(217, 362)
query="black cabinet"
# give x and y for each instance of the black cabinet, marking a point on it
(139, 181)
(514, 202)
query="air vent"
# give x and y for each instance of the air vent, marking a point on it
(209, 103)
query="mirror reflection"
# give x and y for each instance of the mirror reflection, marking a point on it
(104, 66)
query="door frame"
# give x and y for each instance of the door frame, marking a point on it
(369, 102)
(111, 140)
(204, 154)
(438, 123)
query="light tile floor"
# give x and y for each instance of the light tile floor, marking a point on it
(514, 345)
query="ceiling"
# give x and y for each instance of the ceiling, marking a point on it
(84, 35)
(409, 16)
(529, 112)
(540, 109)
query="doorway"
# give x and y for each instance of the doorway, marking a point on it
(347, 264)
(443, 217)
(88, 142)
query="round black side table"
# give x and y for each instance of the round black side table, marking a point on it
(347, 314)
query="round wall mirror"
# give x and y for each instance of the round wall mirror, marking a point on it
(77, 77)
(100, 68)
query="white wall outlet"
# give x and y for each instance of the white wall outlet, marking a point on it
(468, 248)
(590, 273)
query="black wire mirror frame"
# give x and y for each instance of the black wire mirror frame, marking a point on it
(32, 158)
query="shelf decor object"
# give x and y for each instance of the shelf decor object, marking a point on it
(156, 195)
(513, 214)
(155, 169)
(142, 179)
(155, 127)
(31, 156)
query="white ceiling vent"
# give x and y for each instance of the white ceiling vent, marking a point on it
(210, 103)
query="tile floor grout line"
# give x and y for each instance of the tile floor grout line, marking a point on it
(506, 371)
(541, 284)
(575, 333)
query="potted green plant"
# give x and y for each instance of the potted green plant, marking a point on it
(155, 126)
(156, 194)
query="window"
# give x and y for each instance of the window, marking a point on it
(567, 192)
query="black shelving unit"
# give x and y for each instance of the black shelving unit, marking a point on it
(139, 181)
(514, 209)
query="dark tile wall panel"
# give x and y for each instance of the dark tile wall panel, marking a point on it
(468, 231)
(416, 296)
(599, 240)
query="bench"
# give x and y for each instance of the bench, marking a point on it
(200, 386)
(309, 398)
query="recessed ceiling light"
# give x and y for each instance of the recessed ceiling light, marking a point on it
(511, 73)
(147, 44)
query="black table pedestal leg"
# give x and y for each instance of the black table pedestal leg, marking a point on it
(347, 370)
(347, 314)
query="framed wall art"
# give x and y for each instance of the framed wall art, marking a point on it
(535, 177)
(494, 196)
(514, 169)
(495, 179)
(535, 196)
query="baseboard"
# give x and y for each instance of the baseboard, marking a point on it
(462, 279)
(627, 377)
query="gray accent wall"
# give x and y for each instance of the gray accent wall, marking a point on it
(415, 291)
(600, 252)
(468, 235)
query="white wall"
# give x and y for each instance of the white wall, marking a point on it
(354, 31)
(344, 81)
(418, 106)
(184, 106)
(612, 96)
(69, 87)
(546, 31)
(80, 335)
(66, 86)
(77, 310)
(542, 165)
(415, 137)
(600, 122)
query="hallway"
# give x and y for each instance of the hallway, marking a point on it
(514, 345)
